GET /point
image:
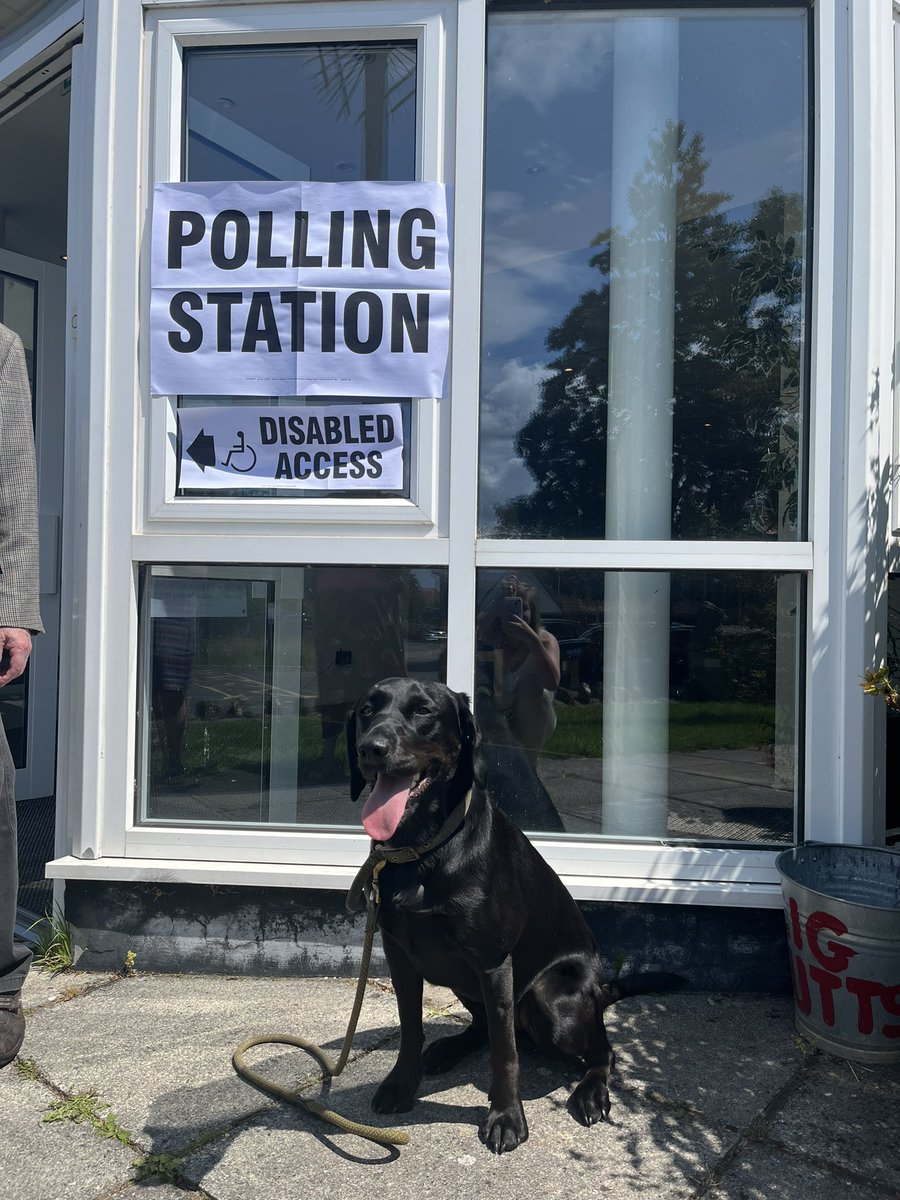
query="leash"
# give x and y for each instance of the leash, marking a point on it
(384, 1137)
(366, 881)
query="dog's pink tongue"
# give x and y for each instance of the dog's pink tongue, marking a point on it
(385, 806)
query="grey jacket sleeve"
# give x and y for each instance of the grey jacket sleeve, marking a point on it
(18, 492)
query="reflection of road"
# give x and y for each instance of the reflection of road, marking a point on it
(730, 795)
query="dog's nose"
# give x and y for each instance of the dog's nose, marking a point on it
(375, 748)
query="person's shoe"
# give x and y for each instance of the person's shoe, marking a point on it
(12, 1026)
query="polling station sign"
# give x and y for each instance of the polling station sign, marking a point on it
(299, 289)
(346, 447)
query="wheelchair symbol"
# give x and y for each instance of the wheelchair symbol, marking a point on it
(241, 448)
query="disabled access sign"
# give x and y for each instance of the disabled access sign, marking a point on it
(346, 447)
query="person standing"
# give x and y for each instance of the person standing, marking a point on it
(19, 618)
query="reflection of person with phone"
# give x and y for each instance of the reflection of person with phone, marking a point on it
(528, 660)
(19, 619)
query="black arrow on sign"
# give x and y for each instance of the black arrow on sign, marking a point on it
(203, 450)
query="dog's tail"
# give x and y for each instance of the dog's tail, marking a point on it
(640, 984)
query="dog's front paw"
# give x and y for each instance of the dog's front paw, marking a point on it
(504, 1130)
(589, 1103)
(393, 1097)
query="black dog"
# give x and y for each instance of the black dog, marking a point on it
(477, 909)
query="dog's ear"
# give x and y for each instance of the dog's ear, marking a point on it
(471, 757)
(357, 782)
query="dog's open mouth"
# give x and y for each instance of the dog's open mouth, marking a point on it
(386, 803)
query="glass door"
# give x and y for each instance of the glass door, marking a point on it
(32, 303)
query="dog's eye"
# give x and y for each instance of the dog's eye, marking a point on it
(421, 710)
(366, 710)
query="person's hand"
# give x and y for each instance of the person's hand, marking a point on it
(517, 629)
(15, 647)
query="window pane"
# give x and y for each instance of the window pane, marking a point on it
(643, 370)
(249, 672)
(674, 714)
(340, 111)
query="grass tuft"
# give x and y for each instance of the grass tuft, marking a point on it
(53, 941)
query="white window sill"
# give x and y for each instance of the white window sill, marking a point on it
(727, 893)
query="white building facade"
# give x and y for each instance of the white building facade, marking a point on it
(669, 413)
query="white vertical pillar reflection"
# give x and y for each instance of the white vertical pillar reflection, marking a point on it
(639, 433)
(284, 744)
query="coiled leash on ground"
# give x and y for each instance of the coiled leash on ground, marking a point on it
(384, 1137)
(365, 883)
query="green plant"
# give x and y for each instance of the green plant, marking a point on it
(27, 1068)
(85, 1107)
(128, 967)
(52, 941)
(166, 1166)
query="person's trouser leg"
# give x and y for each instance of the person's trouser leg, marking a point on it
(15, 957)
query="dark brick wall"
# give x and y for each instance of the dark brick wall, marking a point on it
(242, 930)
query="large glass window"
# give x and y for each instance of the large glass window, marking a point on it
(248, 674)
(645, 247)
(641, 704)
(336, 111)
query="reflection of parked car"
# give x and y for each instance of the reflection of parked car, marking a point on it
(562, 628)
(581, 656)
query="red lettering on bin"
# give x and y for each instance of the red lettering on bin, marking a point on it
(795, 924)
(828, 985)
(801, 986)
(839, 958)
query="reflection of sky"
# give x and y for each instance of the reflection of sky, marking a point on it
(548, 175)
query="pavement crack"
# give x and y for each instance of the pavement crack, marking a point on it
(74, 992)
(756, 1132)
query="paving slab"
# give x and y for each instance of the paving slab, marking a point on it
(51, 987)
(763, 1173)
(646, 1149)
(158, 1048)
(151, 1189)
(715, 1096)
(848, 1114)
(58, 1160)
(723, 1056)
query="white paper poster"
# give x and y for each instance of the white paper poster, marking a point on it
(299, 289)
(341, 447)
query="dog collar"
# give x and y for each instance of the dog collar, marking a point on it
(381, 854)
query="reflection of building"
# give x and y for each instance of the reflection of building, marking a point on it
(667, 410)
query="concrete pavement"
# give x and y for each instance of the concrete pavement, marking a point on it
(715, 1096)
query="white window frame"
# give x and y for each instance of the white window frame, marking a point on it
(168, 37)
(853, 82)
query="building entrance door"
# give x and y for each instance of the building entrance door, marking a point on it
(32, 302)
(35, 108)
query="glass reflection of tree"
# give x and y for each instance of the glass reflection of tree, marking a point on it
(374, 82)
(738, 314)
